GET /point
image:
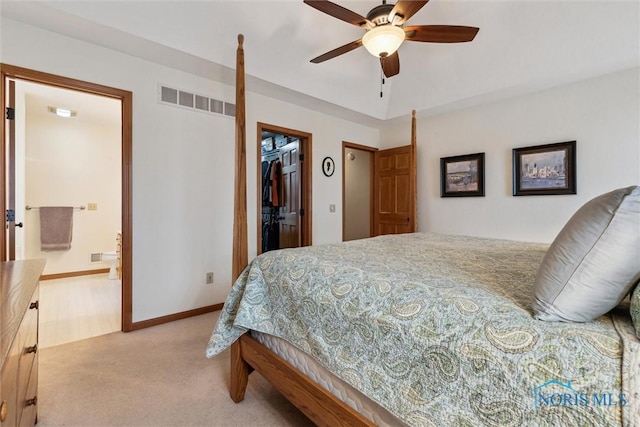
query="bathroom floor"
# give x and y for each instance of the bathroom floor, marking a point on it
(76, 308)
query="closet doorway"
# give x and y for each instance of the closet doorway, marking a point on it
(284, 188)
(358, 195)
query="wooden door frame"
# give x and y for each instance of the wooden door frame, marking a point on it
(10, 144)
(126, 98)
(305, 148)
(373, 193)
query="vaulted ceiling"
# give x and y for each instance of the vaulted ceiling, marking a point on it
(522, 46)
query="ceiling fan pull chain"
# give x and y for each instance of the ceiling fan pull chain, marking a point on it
(381, 82)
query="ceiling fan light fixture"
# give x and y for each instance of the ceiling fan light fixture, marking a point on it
(383, 40)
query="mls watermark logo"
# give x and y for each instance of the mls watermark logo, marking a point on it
(555, 393)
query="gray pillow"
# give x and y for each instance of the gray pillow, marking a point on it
(635, 310)
(593, 262)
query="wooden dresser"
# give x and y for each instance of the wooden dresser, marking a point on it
(19, 342)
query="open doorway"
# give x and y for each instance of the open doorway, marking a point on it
(12, 76)
(284, 188)
(358, 178)
(378, 191)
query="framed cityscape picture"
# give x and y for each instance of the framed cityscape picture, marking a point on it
(545, 169)
(462, 176)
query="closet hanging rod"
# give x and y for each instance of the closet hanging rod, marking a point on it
(38, 207)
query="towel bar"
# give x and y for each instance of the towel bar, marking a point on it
(38, 207)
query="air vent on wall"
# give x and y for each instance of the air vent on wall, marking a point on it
(202, 103)
(230, 109)
(168, 95)
(217, 106)
(184, 99)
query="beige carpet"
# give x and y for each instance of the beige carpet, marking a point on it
(153, 377)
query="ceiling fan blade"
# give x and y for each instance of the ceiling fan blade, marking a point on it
(406, 9)
(337, 51)
(390, 64)
(340, 12)
(440, 33)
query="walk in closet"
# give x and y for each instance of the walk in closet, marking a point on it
(280, 191)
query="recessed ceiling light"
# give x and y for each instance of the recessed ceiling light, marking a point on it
(62, 112)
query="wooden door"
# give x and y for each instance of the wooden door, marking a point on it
(395, 192)
(290, 235)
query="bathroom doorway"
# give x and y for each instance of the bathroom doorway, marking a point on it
(284, 188)
(82, 161)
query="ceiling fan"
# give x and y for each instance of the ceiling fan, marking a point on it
(385, 32)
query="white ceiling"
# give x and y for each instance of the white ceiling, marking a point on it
(523, 46)
(92, 109)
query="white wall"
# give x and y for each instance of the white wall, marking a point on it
(70, 162)
(328, 134)
(601, 114)
(183, 162)
(183, 167)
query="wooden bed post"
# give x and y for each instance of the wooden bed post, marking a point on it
(313, 400)
(239, 368)
(414, 170)
(240, 243)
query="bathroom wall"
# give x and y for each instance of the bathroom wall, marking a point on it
(72, 162)
(20, 202)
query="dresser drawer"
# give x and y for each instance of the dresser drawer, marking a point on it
(29, 326)
(10, 386)
(29, 403)
(29, 345)
(19, 341)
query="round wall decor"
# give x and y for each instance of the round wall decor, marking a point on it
(328, 167)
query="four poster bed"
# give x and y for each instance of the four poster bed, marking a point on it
(421, 329)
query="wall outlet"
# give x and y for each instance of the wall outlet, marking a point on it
(209, 278)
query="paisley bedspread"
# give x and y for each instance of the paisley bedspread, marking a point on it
(437, 329)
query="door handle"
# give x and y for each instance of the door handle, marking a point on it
(19, 224)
